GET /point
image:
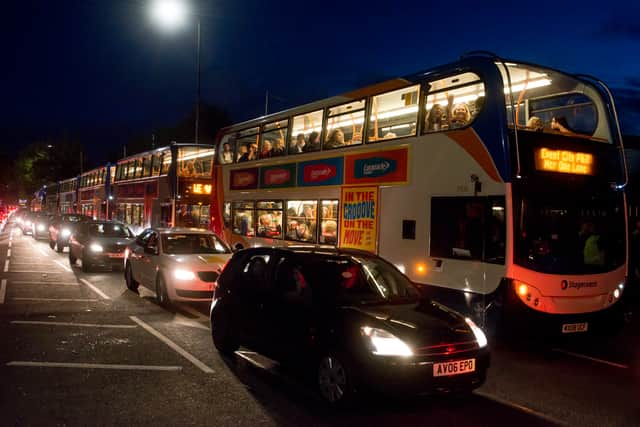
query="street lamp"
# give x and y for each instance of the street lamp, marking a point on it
(172, 15)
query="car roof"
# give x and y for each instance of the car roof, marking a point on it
(318, 250)
(182, 230)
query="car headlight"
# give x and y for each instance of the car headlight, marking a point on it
(65, 232)
(95, 247)
(184, 275)
(479, 334)
(27, 223)
(40, 227)
(384, 343)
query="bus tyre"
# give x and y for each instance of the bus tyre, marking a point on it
(128, 278)
(161, 292)
(334, 380)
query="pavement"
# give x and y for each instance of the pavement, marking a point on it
(79, 348)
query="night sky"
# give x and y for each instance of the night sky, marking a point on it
(102, 69)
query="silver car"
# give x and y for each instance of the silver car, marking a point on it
(178, 264)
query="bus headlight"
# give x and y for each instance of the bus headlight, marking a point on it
(65, 232)
(528, 294)
(40, 227)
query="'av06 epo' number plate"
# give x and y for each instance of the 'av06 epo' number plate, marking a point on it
(455, 367)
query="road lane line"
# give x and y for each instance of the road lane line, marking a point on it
(84, 325)
(3, 290)
(36, 271)
(25, 282)
(9, 253)
(180, 319)
(184, 353)
(6, 266)
(593, 359)
(193, 311)
(57, 299)
(519, 407)
(10, 242)
(95, 366)
(95, 289)
(42, 252)
(62, 265)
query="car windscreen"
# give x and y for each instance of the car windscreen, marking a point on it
(359, 280)
(193, 243)
(109, 230)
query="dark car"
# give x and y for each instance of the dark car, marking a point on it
(351, 318)
(25, 222)
(40, 225)
(99, 243)
(62, 227)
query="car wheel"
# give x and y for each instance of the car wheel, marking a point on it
(161, 292)
(59, 246)
(222, 334)
(128, 277)
(72, 258)
(86, 265)
(334, 380)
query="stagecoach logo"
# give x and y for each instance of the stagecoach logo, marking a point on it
(277, 176)
(374, 167)
(317, 173)
(577, 285)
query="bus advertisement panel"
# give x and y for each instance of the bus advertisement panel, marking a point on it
(359, 218)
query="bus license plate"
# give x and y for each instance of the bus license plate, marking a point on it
(455, 367)
(117, 255)
(569, 328)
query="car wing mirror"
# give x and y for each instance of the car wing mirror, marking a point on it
(238, 247)
(151, 250)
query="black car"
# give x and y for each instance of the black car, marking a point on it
(99, 243)
(62, 227)
(40, 225)
(350, 317)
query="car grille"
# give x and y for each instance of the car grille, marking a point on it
(194, 294)
(114, 249)
(208, 276)
(449, 348)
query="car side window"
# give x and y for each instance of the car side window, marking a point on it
(143, 237)
(255, 274)
(152, 240)
(290, 283)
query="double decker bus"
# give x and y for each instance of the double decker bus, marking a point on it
(166, 186)
(496, 184)
(94, 193)
(68, 195)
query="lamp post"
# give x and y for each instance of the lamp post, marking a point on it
(172, 15)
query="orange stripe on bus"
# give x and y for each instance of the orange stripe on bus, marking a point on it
(472, 144)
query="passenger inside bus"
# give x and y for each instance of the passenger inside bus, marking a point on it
(314, 142)
(560, 124)
(250, 154)
(266, 149)
(336, 139)
(226, 155)
(460, 116)
(242, 150)
(278, 148)
(535, 123)
(267, 227)
(299, 145)
(436, 119)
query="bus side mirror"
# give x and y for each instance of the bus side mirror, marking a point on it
(238, 247)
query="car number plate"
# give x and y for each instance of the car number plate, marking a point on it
(569, 328)
(455, 367)
(117, 255)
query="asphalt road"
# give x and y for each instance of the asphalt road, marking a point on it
(79, 349)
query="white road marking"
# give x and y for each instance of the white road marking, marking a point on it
(62, 265)
(3, 290)
(10, 242)
(593, 359)
(519, 407)
(95, 289)
(9, 253)
(189, 322)
(57, 299)
(193, 311)
(36, 271)
(6, 266)
(43, 252)
(25, 282)
(243, 354)
(84, 325)
(174, 346)
(95, 366)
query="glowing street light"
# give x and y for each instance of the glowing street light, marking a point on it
(170, 14)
